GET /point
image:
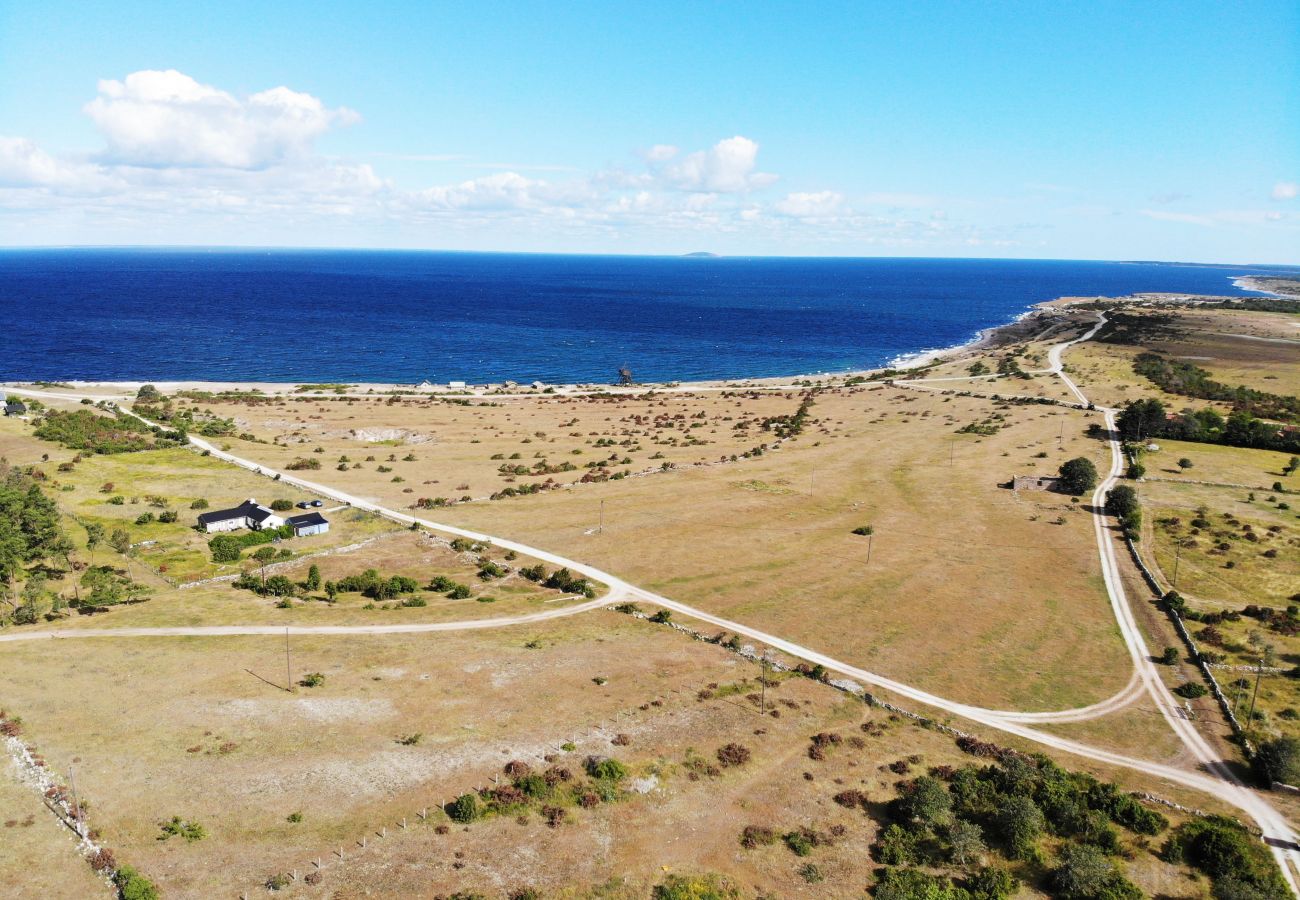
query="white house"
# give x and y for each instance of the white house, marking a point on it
(308, 523)
(249, 514)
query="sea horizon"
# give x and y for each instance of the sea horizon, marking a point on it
(403, 316)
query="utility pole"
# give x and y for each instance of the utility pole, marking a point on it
(762, 678)
(870, 538)
(1259, 672)
(288, 668)
(1178, 554)
(76, 804)
(600, 529)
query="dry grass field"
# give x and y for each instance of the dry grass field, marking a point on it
(39, 855)
(205, 734)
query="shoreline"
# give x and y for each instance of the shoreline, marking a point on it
(1039, 319)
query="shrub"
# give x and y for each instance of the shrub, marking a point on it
(1225, 851)
(992, 883)
(1085, 873)
(312, 679)
(605, 769)
(914, 884)
(662, 616)
(131, 885)
(757, 836)
(464, 809)
(1278, 760)
(695, 887)
(199, 504)
(733, 755)
(281, 505)
(1191, 690)
(302, 463)
(895, 846)
(1170, 656)
(176, 826)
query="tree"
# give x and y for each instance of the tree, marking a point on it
(263, 556)
(1086, 874)
(313, 578)
(120, 540)
(926, 803)
(225, 548)
(94, 537)
(1078, 476)
(331, 591)
(1184, 463)
(977, 368)
(1020, 822)
(966, 842)
(147, 392)
(1278, 760)
(33, 601)
(1141, 419)
(1120, 500)
(1170, 656)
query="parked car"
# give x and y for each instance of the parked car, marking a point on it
(304, 504)
(317, 503)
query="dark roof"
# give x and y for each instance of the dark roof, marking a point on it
(242, 511)
(307, 519)
(15, 406)
(259, 513)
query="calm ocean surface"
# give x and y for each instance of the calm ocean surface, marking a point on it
(287, 315)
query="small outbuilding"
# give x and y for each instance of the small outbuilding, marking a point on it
(15, 408)
(308, 523)
(1035, 483)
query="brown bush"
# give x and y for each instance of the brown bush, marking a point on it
(588, 800)
(733, 755)
(621, 740)
(312, 878)
(555, 774)
(851, 798)
(103, 860)
(517, 768)
(508, 795)
(554, 815)
(900, 766)
(757, 836)
(11, 728)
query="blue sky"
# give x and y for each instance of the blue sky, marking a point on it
(1121, 131)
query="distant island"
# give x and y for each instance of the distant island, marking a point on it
(700, 254)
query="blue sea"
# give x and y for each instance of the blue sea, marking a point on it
(396, 316)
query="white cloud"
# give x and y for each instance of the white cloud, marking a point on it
(660, 153)
(503, 190)
(154, 118)
(804, 205)
(727, 168)
(1286, 190)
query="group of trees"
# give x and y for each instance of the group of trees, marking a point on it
(185, 420)
(30, 533)
(228, 547)
(84, 429)
(954, 817)
(1122, 503)
(1181, 377)
(1142, 420)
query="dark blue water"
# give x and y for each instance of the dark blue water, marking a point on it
(406, 316)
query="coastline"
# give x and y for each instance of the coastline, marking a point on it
(1038, 320)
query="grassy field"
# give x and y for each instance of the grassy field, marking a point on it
(204, 734)
(40, 857)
